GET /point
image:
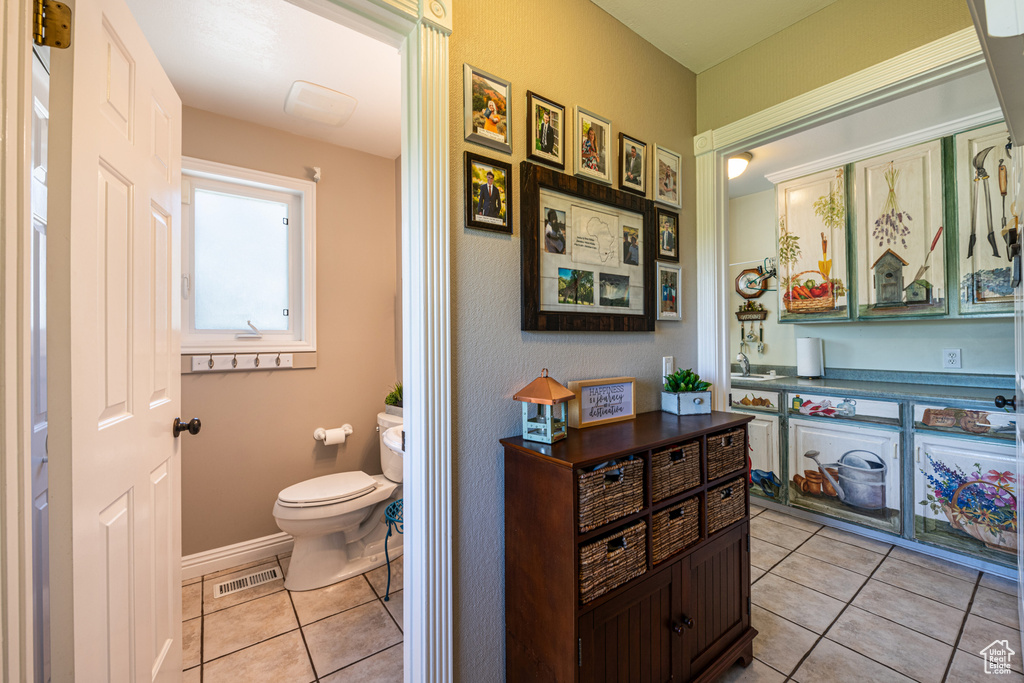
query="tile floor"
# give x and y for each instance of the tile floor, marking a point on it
(339, 634)
(834, 607)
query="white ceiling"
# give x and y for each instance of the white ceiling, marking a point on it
(239, 58)
(699, 34)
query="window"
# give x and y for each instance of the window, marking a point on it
(248, 266)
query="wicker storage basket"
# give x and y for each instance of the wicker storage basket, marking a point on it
(726, 453)
(674, 528)
(816, 305)
(726, 504)
(612, 560)
(610, 493)
(675, 470)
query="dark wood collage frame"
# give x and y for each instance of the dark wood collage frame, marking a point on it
(532, 179)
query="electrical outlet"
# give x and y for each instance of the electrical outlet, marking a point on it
(668, 365)
(951, 358)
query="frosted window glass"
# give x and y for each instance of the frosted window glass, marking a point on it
(241, 262)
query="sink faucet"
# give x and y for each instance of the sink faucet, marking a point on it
(744, 362)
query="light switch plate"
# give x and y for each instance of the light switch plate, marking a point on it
(668, 365)
(951, 358)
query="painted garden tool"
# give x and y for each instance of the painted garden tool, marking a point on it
(980, 174)
(825, 264)
(1002, 190)
(860, 482)
(924, 266)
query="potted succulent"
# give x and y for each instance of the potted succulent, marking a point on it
(686, 394)
(393, 401)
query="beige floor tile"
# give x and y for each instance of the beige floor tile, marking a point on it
(189, 582)
(756, 573)
(888, 643)
(914, 611)
(926, 582)
(776, 533)
(970, 669)
(935, 564)
(790, 520)
(995, 606)
(368, 628)
(757, 672)
(247, 624)
(378, 578)
(841, 554)
(779, 643)
(755, 509)
(323, 602)
(191, 632)
(980, 633)
(191, 601)
(799, 604)
(856, 539)
(821, 576)
(283, 658)
(233, 570)
(212, 604)
(765, 555)
(396, 606)
(191, 676)
(383, 667)
(998, 583)
(285, 562)
(830, 662)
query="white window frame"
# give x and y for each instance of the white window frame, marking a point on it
(198, 173)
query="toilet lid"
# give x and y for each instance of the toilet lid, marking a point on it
(334, 488)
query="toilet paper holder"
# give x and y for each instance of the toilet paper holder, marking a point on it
(331, 437)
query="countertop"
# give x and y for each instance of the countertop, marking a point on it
(877, 389)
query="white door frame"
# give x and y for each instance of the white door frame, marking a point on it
(919, 67)
(421, 29)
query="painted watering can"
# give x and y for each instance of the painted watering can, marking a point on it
(861, 481)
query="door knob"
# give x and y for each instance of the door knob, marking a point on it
(192, 426)
(683, 621)
(1002, 402)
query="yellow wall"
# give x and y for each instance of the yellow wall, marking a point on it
(841, 39)
(576, 54)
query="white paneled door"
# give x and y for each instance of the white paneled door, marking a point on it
(113, 351)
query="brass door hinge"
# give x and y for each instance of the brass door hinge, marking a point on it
(52, 24)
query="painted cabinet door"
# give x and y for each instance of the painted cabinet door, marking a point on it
(965, 496)
(845, 471)
(763, 442)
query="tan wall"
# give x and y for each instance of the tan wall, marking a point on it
(257, 435)
(841, 39)
(576, 54)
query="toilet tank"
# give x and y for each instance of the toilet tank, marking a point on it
(390, 462)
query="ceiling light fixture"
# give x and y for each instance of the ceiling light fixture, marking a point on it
(316, 103)
(738, 163)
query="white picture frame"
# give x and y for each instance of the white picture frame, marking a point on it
(665, 168)
(667, 284)
(593, 153)
(477, 130)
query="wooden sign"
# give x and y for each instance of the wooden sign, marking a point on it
(600, 401)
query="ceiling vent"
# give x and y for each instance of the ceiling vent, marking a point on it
(316, 103)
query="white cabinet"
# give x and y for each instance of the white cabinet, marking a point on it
(847, 471)
(765, 472)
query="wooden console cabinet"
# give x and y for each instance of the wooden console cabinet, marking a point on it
(685, 617)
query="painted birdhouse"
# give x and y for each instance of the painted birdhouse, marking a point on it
(888, 271)
(919, 292)
(544, 409)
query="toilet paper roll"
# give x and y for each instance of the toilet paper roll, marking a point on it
(810, 360)
(331, 437)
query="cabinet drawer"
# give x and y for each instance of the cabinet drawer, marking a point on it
(977, 420)
(755, 399)
(610, 493)
(726, 504)
(675, 470)
(675, 528)
(727, 452)
(612, 560)
(846, 408)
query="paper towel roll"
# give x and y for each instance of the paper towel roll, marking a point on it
(810, 361)
(331, 437)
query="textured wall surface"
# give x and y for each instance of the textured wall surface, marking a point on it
(841, 39)
(258, 427)
(576, 54)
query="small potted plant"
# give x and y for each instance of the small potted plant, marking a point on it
(686, 394)
(393, 401)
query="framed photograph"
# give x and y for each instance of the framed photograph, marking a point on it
(588, 255)
(632, 164)
(487, 103)
(665, 176)
(600, 401)
(668, 236)
(593, 146)
(488, 202)
(545, 130)
(669, 278)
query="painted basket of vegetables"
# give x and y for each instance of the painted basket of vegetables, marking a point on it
(808, 295)
(996, 528)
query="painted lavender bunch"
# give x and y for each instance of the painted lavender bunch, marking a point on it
(894, 223)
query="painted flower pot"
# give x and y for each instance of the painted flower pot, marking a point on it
(686, 402)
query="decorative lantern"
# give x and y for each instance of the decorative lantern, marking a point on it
(546, 421)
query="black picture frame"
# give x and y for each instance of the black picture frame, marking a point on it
(667, 251)
(532, 179)
(628, 142)
(534, 150)
(475, 216)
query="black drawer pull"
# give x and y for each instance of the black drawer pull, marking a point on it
(726, 493)
(616, 544)
(613, 477)
(675, 514)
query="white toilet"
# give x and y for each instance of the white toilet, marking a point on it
(337, 521)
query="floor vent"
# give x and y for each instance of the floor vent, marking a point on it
(247, 581)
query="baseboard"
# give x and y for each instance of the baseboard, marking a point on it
(229, 556)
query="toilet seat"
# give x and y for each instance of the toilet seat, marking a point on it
(327, 490)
